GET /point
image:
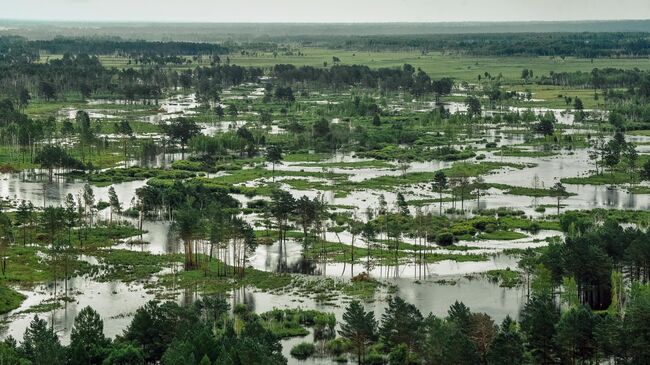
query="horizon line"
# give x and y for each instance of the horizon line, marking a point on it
(320, 22)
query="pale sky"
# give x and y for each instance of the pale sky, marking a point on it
(323, 10)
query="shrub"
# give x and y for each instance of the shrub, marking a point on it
(374, 358)
(364, 276)
(338, 346)
(482, 223)
(341, 359)
(445, 239)
(399, 355)
(303, 350)
(490, 228)
(462, 229)
(258, 204)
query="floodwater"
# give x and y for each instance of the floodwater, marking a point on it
(117, 302)
(432, 287)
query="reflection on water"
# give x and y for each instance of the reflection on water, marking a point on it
(114, 301)
(429, 297)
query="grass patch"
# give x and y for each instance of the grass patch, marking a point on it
(339, 252)
(306, 157)
(528, 224)
(215, 277)
(506, 278)
(286, 323)
(114, 176)
(502, 235)
(43, 307)
(9, 299)
(516, 152)
(27, 265)
(370, 164)
(482, 168)
(520, 190)
(128, 266)
(328, 290)
(429, 201)
(616, 177)
(639, 190)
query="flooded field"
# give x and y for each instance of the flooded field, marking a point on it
(432, 287)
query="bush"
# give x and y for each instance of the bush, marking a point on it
(341, 359)
(534, 227)
(257, 204)
(374, 358)
(101, 205)
(482, 223)
(303, 350)
(399, 355)
(189, 165)
(364, 276)
(338, 346)
(462, 229)
(445, 239)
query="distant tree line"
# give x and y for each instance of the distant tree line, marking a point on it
(113, 46)
(584, 45)
(22, 78)
(406, 78)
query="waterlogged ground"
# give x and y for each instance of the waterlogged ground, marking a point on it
(432, 287)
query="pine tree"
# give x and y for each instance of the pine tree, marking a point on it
(507, 348)
(114, 203)
(538, 319)
(40, 345)
(359, 327)
(88, 345)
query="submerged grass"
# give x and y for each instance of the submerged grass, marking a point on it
(506, 278)
(371, 164)
(502, 235)
(339, 252)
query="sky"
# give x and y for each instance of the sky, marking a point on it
(307, 11)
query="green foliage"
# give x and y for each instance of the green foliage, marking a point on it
(87, 342)
(303, 350)
(181, 130)
(637, 323)
(124, 354)
(508, 346)
(154, 326)
(506, 278)
(115, 176)
(338, 346)
(400, 324)
(575, 334)
(41, 345)
(10, 356)
(359, 327)
(292, 322)
(399, 355)
(9, 299)
(538, 319)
